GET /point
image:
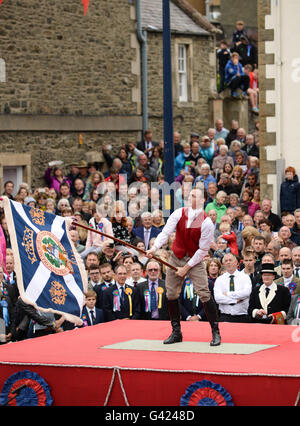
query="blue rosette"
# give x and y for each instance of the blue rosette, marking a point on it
(34, 391)
(206, 393)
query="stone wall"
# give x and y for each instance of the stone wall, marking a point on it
(234, 10)
(61, 62)
(63, 68)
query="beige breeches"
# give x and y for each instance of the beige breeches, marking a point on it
(197, 274)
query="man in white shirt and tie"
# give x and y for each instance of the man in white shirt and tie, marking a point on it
(194, 235)
(232, 292)
(136, 275)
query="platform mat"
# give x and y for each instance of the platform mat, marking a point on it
(189, 347)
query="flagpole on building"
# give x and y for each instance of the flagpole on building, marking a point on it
(168, 101)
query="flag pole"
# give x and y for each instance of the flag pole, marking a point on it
(117, 240)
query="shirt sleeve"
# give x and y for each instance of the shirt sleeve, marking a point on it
(207, 237)
(168, 229)
(244, 289)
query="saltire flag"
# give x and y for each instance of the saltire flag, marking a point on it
(85, 5)
(50, 273)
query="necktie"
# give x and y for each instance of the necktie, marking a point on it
(297, 272)
(267, 292)
(93, 317)
(135, 283)
(195, 304)
(146, 238)
(153, 298)
(122, 296)
(231, 284)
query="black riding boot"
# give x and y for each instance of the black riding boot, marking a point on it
(174, 312)
(210, 309)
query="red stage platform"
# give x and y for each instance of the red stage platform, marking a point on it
(79, 371)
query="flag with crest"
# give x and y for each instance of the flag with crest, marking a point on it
(50, 273)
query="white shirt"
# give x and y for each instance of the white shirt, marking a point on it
(130, 281)
(109, 283)
(93, 283)
(89, 312)
(228, 304)
(207, 233)
(119, 288)
(288, 280)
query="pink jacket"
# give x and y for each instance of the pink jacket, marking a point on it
(97, 240)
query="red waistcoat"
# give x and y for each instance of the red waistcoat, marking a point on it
(187, 239)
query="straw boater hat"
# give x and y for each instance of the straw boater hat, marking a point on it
(268, 268)
(82, 165)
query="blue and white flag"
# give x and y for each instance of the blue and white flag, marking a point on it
(50, 273)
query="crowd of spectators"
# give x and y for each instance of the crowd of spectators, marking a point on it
(237, 66)
(123, 196)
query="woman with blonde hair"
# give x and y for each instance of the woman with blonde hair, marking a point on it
(237, 178)
(92, 183)
(248, 233)
(158, 219)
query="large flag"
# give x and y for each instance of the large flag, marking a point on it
(50, 273)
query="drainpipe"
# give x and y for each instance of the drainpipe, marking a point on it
(142, 37)
(207, 9)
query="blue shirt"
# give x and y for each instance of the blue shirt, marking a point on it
(206, 181)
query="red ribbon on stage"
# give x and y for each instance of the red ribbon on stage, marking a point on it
(85, 5)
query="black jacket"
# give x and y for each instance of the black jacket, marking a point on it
(280, 302)
(290, 195)
(23, 314)
(163, 311)
(189, 307)
(295, 237)
(124, 312)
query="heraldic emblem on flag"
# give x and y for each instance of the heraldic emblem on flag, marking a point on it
(50, 273)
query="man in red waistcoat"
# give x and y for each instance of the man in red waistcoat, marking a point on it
(194, 235)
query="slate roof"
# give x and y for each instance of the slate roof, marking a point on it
(152, 13)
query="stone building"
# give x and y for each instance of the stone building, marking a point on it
(69, 82)
(279, 64)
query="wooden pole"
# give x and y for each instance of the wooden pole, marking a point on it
(117, 240)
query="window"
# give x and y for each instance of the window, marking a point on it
(182, 73)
